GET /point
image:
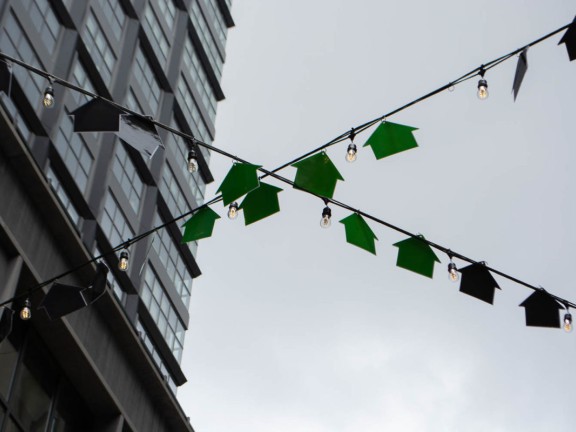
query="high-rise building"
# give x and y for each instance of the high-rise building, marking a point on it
(68, 196)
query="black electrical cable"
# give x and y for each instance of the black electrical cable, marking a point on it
(273, 174)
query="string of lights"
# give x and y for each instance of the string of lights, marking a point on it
(192, 165)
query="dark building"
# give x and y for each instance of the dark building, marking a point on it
(68, 197)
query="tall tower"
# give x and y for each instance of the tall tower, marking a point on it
(81, 194)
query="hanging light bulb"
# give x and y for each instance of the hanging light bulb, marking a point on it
(48, 99)
(192, 162)
(568, 322)
(233, 211)
(26, 312)
(482, 89)
(351, 153)
(453, 274)
(123, 263)
(326, 220)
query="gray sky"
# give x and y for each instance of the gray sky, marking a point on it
(293, 329)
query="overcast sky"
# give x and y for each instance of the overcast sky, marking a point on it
(293, 329)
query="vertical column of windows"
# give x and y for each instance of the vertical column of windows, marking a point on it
(156, 300)
(127, 176)
(80, 78)
(217, 20)
(62, 196)
(172, 193)
(168, 11)
(155, 356)
(74, 151)
(172, 262)
(205, 35)
(115, 15)
(147, 82)
(180, 149)
(99, 47)
(199, 78)
(186, 100)
(15, 43)
(154, 30)
(113, 222)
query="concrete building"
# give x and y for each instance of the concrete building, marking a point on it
(67, 197)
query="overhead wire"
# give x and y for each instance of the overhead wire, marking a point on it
(273, 173)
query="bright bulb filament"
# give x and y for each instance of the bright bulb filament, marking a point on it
(48, 100)
(325, 222)
(352, 153)
(192, 165)
(453, 275)
(233, 211)
(568, 323)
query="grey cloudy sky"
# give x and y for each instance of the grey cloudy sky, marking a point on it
(293, 329)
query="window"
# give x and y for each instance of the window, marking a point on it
(155, 356)
(99, 47)
(15, 43)
(180, 149)
(63, 196)
(74, 151)
(217, 19)
(171, 192)
(45, 21)
(205, 35)
(126, 174)
(156, 34)
(198, 75)
(168, 11)
(162, 311)
(114, 223)
(186, 99)
(115, 14)
(132, 102)
(80, 78)
(170, 258)
(146, 79)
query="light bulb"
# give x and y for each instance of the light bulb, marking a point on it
(326, 220)
(192, 162)
(123, 263)
(482, 89)
(26, 312)
(233, 211)
(453, 274)
(568, 322)
(48, 99)
(351, 153)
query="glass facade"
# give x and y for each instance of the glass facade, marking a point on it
(152, 62)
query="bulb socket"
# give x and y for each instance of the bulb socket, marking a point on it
(327, 212)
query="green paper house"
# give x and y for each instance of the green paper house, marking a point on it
(358, 232)
(317, 174)
(241, 179)
(200, 225)
(391, 138)
(416, 255)
(260, 203)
